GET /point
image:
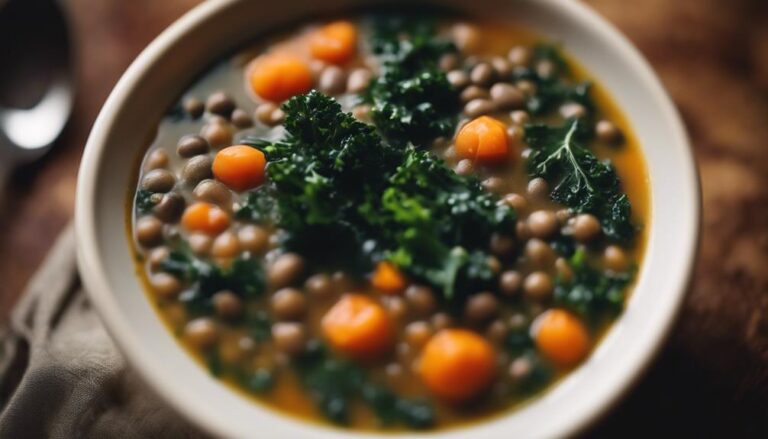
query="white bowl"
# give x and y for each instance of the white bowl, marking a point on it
(186, 48)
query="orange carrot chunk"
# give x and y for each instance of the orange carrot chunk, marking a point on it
(206, 218)
(358, 327)
(483, 140)
(278, 77)
(334, 43)
(457, 364)
(240, 167)
(388, 279)
(561, 337)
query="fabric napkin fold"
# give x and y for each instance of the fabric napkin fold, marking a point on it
(60, 373)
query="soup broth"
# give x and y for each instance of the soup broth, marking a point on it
(356, 292)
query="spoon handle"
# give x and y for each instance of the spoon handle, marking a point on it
(5, 170)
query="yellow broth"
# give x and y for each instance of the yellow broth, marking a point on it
(234, 346)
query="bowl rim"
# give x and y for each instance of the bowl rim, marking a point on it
(98, 288)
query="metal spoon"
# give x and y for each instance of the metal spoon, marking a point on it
(35, 81)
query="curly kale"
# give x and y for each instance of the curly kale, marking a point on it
(144, 201)
(245, 277)
(346, 198)
(412, 100)
(552, 90)
(333, 383)
(579, 180)
(592, 292)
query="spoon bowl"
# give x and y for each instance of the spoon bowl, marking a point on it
(36, 90)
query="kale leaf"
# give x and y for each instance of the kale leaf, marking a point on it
(334, 382)
(579, 180)
(259, 206)
(553, 90)
(145, 201)
(436, 223)
(244, 276)
(592, 292)
(412, 100)
(346, 198)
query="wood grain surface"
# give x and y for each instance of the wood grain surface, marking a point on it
(711, 379)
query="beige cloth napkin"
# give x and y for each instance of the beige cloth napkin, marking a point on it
(60, 374)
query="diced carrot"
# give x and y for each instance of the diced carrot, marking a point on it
(483, 140)
(278, 77)
(240, 167)
(457, 364)
(561, 337)
(206, 218)
(334, 43)
(388, 279)
(358, 326)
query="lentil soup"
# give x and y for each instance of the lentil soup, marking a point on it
(391, 222)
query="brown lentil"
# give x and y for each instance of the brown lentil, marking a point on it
(227, 304)
(285, 270)
(538, 285)
(241, 119)
(417, 333)
(199, 243)
(319, 285)
(149, 231)
(157, 159)
(218, 134)
(458, 78)
(538, 189)
(165, 285)
(510, 282)
(191, 145)
(479, 107)
(201, 332)
(473, 92)
(289, 337)
(253, 238)
(481, 307)
(506, 96)
(615, 258)
(197, 169)
(225, 245)
(220, 103)
(169, 208)
(358, 80)
(539, 252)
(158, 180)
(517, 202)
(542, 223)
(332, 80)
(481, 74)
(193, 107)
(585, 227)
(421, 299)
(519, 56)
(288, 304)
(608, 132)
(212, 191)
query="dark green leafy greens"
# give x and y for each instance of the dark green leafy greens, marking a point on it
(579, 180)
(592, 292)
(553, 90)
(244, 276)
(334, 383)
(411, 100)
(436, 224)
(349, 199)
(144, 201)
(520, 344)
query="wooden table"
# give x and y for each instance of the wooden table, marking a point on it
(711, 379)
